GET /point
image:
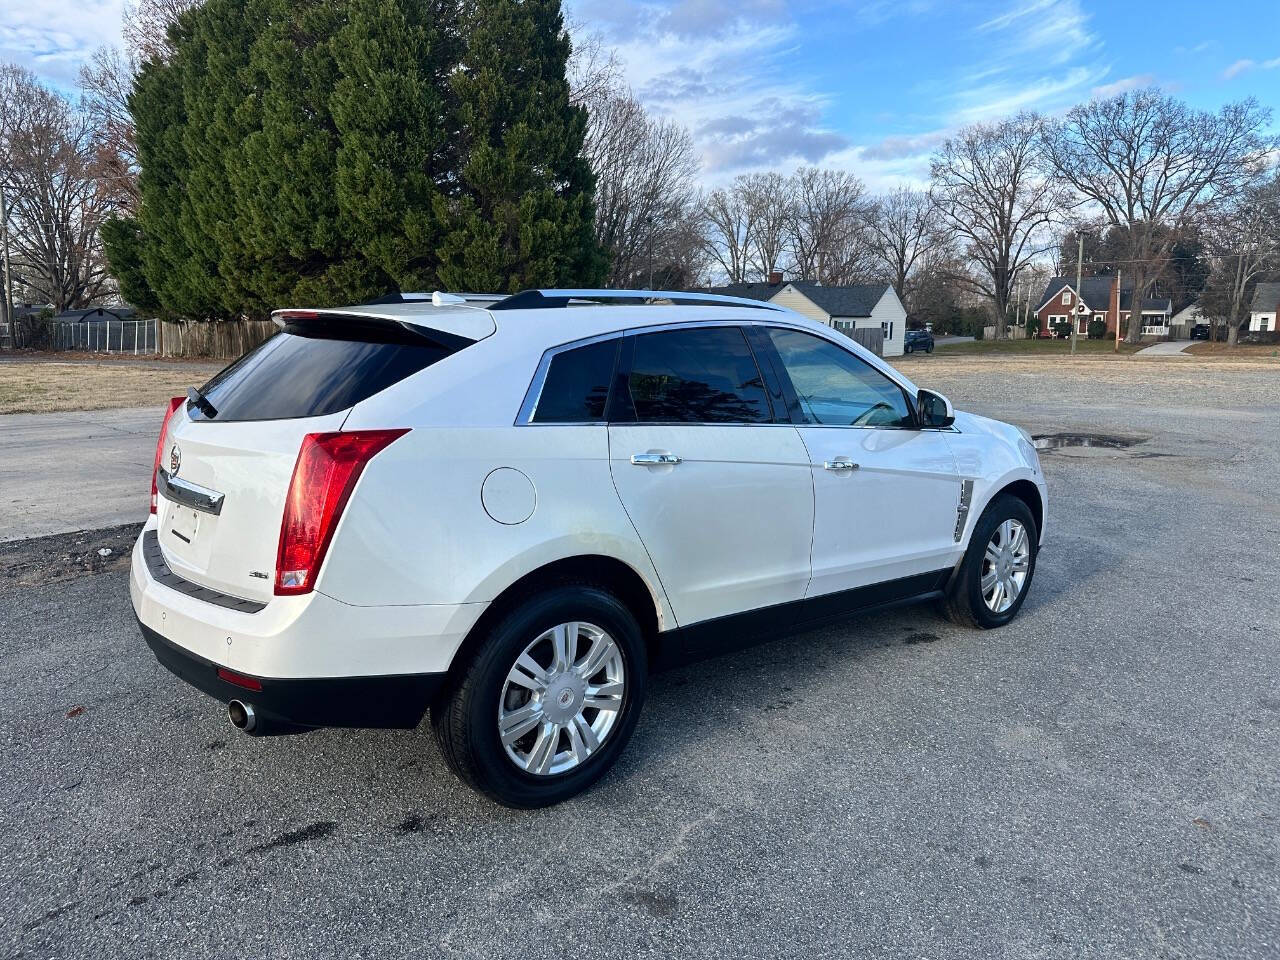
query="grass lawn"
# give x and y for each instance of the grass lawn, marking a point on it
(46, 386)
(1039, 348)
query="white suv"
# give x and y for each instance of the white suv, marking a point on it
(506, 510)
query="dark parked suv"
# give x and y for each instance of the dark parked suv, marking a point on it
(1200, 331)
(918, 340)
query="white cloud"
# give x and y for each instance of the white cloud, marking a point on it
(1123, 85)
(995, 101)
(1039, 53)
(53, 37)
(1245, 65)
(729, 72)
(1055, 30)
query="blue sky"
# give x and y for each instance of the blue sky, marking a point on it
(867, 85)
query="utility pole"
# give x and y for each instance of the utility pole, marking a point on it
(8, 275)
(1119, 290)
(1075, 321)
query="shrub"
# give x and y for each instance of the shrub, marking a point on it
(1062, 328)
(1033, 326)
(979, 333)
(1097, 329)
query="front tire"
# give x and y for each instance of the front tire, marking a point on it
(991, 583)
(549, 700)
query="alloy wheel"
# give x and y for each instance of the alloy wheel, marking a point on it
(1005, 565)
(562, 698)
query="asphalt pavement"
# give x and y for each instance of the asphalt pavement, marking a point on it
(1099, 779)
(75, 471)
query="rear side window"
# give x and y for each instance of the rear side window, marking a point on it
(315, 368)
(577, 384)
(702, 375)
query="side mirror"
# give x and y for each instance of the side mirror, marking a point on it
(933, 410)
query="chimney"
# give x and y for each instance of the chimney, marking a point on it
(775, 278)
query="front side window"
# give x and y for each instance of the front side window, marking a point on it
(1066, 298)
(577, 384)
(701, 375)
(836, 388)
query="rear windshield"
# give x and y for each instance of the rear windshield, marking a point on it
(313, 368)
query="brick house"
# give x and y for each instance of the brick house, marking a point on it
(1105, 300)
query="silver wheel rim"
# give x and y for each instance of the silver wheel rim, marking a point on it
(1005, 566)
(561, 699)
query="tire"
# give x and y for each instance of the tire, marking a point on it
(466, 720)
(908, 348)
(929, 348)
(965, 601)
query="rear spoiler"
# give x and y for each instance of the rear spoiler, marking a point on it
(409, 331)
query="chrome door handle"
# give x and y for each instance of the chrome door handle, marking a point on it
(654, 459)
(840, 465)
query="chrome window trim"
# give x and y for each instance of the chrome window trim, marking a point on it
(534, 393)
(529, 406)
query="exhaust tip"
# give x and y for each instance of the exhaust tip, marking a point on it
(242, 716)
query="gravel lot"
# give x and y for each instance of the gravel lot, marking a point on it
(1099, 779)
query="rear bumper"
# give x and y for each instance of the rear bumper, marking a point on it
(308, 636)
(396, 701)
(320, 662)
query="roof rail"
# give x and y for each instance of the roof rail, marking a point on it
(548, 299)
(437, 297)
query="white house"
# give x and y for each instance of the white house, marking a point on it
(1180, 323)
(847, 308)
(1265, 308)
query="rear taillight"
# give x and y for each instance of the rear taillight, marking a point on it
(329, 464)
(174, 404)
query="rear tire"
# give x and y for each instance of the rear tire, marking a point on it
(908, 348)
(1004, 545)
(564, 744)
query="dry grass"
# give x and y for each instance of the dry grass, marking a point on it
(998, 373)
(1241, 351)
(1037, 347)
(47, 386)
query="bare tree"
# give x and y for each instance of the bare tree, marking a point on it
(825, 228)
(902, 230)
(730, 233)
(146, 27)
(645, 169)
(1156, 167)
(769, 199)
(1244, 244)
(56, 204)
(993, 195)
(593, 69)
(105, 83)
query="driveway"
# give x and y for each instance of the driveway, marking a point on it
(1099, 779)
(1165, 348)
(75, 471)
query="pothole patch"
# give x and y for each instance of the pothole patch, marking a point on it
(1089, 445)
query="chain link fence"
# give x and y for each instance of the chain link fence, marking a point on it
(105, 336)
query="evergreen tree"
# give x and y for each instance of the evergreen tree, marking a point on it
(523, 213)
(290, 154)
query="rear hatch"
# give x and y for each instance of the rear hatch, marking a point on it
(239, 438)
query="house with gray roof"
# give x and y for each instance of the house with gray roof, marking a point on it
(1265, 308)
(846, 308)
(1099, 298)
